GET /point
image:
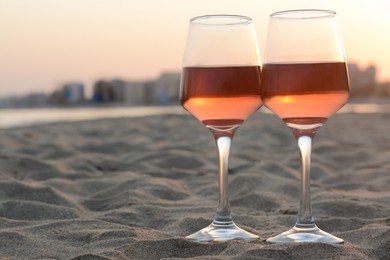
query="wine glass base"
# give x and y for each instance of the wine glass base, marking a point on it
(309, 235)
(219, 233)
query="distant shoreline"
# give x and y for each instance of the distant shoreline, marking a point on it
(355, 100)
(90, 105)
(19, 117)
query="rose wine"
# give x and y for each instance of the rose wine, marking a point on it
(305, 93)
(221, 96)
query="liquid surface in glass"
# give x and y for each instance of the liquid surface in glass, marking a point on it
(221, 96)
(305, 93)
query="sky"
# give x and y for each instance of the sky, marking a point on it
(47, 43)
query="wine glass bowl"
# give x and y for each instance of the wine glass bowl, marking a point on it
(305, 81)
(220, 86)
(305, 93)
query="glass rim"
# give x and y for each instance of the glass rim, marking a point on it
(202, 19)
(304, 14)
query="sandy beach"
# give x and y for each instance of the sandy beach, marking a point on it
(133, 188)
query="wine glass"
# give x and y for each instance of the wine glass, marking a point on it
(304, 82)
(220, 86)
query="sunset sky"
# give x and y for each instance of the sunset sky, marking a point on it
(45, 43)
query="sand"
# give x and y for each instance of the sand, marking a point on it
(133, 188)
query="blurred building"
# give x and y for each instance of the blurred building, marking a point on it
(73, 93)
(30, 100)
(135, 92)
(35, 100)
(128, 92)
(118, 86)
(162, 91)
(103, 91)
(384, 89)
(362, 81)
(166, 89)
(7, 102)
(70, 93)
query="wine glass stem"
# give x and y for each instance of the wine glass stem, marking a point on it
(305, 218)
(222, 213)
